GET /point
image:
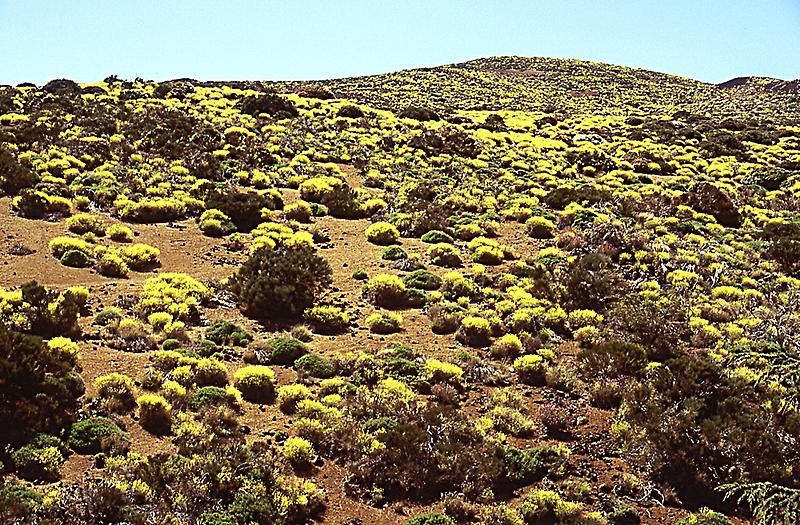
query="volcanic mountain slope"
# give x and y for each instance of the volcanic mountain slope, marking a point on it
(228, 303)
(574, 86)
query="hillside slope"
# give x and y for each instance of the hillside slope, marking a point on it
(226, 306)
(572, 86)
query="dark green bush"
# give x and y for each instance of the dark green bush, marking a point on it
(423, 280)
(75, 259)
(226, 333)
(243, 207)
(208, 396)
(437, 236)
(38, 392)
(315, 365)
(97, 434)
(526, 466)
(281, 351)
(393, 253)
(18, 504)
(282, 281)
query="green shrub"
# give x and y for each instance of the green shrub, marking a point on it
(38, 461)
(436, 237)
(97, 434)
(315, 365)
(393, 253)
(18, 503)
(384, 323)
(243, 207)
(226, 333)
(284, 350)
(423, 280)
(209, 396)
(75, 259)
(431, 518)
(255, 382)
(526, 466)
(282, 281)
(327, 319)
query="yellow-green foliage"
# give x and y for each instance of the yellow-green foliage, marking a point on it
(382, 233)
(530, 368)
(119, 233)
(66, 349)
(442, 372)
(298, 451)
(290, 395)
(81, 223)
(139, 256)
(385, 290)
(113, 385)
(61, 245)
(256, 382)
(175, 293)
(155, 413)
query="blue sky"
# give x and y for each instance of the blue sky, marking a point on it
(86, 40)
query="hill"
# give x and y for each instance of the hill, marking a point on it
(572, 86)
(227, 303)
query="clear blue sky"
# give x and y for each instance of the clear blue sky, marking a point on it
(86, 40)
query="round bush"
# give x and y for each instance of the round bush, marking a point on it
(423, 280)
(315, 365)
(155, 413)
(393, 253)
(256, 382)
(75, 259)
(437, 236)
(282, 281)
(298, 451)
(443, 254)
(285, 350)
(474, 331)
(385, 290)
(384, 323)
(531, 369)
(382, 233)
(209, 396)
(97, 434)
(290, 395)
(539, 228)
